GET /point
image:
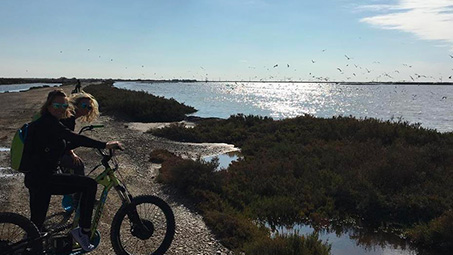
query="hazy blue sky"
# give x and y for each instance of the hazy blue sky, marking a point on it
(228, 39)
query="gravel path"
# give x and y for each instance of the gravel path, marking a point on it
(192, 235)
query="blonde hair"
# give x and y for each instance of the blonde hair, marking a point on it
(93, 114)
(50, 97)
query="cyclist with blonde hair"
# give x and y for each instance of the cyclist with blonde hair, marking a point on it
(86, 109)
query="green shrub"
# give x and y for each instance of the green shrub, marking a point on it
(187, 175)
(436, 235)
(232, 229)
(137, 105)
(389, 174)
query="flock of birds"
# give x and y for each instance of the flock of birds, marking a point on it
(348, 71)
(364, 71)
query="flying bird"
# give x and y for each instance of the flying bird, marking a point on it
(451, 56)
(313, 61)
(339, 69)
(347, 57)
(276, 65)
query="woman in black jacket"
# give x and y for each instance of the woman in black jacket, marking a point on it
(49, 139)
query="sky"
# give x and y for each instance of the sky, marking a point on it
(290, 40)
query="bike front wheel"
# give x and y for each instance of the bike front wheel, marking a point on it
(18, 235)
(146, 226)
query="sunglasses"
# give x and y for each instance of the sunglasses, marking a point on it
(59, 106)
(86, 106)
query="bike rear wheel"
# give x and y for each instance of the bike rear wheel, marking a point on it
(150, 233)
(18, 235)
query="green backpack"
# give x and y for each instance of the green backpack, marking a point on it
(21, 147)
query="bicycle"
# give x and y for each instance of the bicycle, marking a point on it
(144, 222)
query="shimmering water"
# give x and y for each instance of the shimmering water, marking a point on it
(429, 105)
(23, 87)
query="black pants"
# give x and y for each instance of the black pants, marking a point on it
(62, 184)
(68, 166)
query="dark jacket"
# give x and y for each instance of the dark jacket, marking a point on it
(69, 123)
(49, 140)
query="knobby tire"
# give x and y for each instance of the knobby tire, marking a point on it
(13, 226)
(121, 227)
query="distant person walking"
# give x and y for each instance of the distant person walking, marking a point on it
(78, 86)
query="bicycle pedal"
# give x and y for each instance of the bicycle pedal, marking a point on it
(62, 243)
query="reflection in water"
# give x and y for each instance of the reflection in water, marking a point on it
(429, 105)
(224, 159)
(350, 240)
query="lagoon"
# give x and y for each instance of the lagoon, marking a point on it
(24, 87)
(425, 104)
(429, 105)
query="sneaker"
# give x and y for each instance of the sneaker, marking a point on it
(67, 203)
(82, 239)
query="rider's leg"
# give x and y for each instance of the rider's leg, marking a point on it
(61, 184)
(67, 162)
(39, 204)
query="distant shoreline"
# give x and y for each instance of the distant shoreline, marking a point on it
(68, 81)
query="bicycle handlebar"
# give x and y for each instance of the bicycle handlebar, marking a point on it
(105, 156)
(90, 127)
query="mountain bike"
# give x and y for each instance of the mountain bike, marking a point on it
(143, 224)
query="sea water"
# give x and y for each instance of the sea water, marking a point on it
(23, 87)
(429, 105)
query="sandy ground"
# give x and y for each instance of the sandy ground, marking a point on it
(192, 235)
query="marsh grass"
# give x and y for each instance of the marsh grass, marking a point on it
(137, 105)
(391, 174)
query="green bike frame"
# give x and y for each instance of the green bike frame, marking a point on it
(108, 180)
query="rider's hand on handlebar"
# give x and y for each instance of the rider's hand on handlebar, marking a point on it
(114, 145)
